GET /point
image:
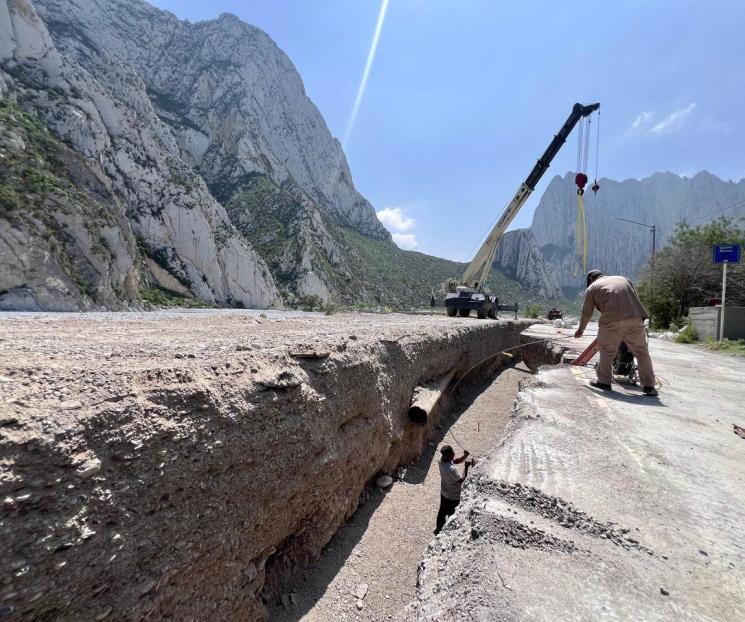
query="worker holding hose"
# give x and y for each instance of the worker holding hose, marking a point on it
(622, 318)
(451, 483)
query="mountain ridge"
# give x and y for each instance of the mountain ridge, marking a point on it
(660, 199)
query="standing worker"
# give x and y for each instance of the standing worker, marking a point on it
(451, 483)
(622, 318)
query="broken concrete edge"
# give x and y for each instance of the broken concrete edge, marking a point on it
(593, 509)
(219, 479)
(460, 581)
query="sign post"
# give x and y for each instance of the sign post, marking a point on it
(725, 254)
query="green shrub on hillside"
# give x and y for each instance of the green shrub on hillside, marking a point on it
(158, 298)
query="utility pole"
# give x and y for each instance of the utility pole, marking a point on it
(724, 299)
(651, 276)
(653, 229)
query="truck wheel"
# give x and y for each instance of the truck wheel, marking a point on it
(492, 314)
(451, 311)
(481, 313)
(464, 312)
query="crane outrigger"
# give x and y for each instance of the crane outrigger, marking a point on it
(470, 294)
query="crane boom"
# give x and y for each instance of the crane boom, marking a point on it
(484, 258)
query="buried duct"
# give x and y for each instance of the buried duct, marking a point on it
(426, 398)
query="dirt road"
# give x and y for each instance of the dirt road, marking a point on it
(377, 553)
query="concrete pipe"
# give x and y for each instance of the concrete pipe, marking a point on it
(427, 397)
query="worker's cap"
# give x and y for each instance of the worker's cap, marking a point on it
(447, 450)
(592, 275)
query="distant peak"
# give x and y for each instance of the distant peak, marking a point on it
(228, 17)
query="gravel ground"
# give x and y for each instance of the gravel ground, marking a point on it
(376, 554)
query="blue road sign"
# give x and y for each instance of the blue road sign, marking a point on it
(727, 252)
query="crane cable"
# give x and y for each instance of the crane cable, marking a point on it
(583, 153)
(659, 382)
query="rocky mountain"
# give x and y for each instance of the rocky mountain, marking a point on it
(237, 111)
(97, 203)
(663, 200)
(520, 258)
(148, 154)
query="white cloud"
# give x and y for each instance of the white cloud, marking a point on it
(643, 119)
(405, 241)
(394, 219)
(674, 120)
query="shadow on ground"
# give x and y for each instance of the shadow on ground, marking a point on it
(314, 582)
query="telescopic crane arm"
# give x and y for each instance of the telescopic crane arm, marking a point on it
(484, 258)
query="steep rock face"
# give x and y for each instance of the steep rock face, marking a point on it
(234, 100)
(520, 258)
(235, 108)
(65, 242)
(113, 125)
(616, 247)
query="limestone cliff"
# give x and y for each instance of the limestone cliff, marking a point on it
(127, 165)
(663, 199)
(237, 113)
(520, 258)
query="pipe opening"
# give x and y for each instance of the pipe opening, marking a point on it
(417, 415)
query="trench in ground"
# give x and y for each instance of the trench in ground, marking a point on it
(382, 544)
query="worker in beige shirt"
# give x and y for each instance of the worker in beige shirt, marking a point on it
(622, 318)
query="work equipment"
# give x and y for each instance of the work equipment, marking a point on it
(624, 363)
(470, 294)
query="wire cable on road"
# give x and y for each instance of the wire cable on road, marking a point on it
(659, 381)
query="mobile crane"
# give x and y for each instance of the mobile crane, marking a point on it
(470, 294)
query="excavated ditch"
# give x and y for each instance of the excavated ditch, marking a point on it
(186, 467)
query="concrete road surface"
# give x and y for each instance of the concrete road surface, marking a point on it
(604, 506)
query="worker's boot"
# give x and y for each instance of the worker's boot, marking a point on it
(600, 385)
(650, 391)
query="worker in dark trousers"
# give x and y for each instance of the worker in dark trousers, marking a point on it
(451, 482)
(622, 318)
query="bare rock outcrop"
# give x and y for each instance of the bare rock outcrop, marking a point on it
(150, 194)
(237, 114)
(520, 258)
(616, 247)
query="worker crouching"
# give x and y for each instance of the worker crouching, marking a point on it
(622, 318)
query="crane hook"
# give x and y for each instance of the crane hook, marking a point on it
(581, 180)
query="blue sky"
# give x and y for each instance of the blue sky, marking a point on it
(464, 95)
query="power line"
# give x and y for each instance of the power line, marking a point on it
(741, 202)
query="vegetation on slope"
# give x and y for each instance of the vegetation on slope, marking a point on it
(284, 227)
(42, 191)
(408, 279)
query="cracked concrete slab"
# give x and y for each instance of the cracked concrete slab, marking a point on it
(603, 506)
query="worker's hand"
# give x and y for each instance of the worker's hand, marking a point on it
(465, 453)
(578, 333)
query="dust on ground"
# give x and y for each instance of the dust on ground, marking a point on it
(368, 572)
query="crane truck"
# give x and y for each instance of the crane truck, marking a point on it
(470, 294)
